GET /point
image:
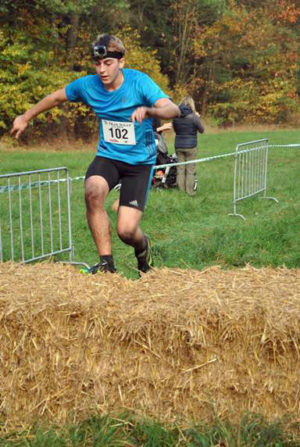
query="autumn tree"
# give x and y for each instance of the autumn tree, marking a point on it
(43, 47)
(246, 62)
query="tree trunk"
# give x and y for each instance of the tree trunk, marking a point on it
(72, 35)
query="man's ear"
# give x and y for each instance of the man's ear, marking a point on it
(122, 62)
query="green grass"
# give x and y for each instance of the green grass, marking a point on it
(126, 430)
(196, 232)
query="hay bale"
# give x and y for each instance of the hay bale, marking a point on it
(176, 344)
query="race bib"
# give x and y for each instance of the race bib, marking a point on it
(118, 132)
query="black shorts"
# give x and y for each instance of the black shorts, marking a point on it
(135, 179)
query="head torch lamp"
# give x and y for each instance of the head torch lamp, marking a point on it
(101, 52)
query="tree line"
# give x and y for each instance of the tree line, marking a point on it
(237, 58)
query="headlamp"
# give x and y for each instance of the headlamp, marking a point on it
(101, 52)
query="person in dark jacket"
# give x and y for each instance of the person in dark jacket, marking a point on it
(186, 128)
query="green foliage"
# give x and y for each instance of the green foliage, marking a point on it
(153, 21)
(42, 7)
(238, 59)
(26, 77)
(144, 59)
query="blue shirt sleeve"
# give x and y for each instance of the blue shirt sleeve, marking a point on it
(150, 91)
(74, 90)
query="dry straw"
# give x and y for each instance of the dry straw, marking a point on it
(176, 344)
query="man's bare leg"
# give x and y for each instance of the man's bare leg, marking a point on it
(129, 232)
(96, 191)
(128, 226)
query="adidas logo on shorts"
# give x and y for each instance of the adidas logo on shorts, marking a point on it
(134, 203)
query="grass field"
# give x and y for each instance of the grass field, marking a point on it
(195, 232)
(187, 232)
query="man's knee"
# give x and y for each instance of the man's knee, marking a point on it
(126, 233)
(95, 194)
(128, 224)
(92, 199)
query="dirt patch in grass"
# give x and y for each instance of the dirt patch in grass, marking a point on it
(176, 344)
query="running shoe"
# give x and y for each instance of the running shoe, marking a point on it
(101, 267)
(144, 258)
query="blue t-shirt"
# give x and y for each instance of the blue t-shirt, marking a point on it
(120, 139)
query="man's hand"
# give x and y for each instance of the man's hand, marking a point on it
(140, 114)
(47, 103)
(19, 125)
(164, 127)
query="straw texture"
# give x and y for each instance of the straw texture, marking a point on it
(176, 344)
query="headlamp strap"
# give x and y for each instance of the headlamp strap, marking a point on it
(100, 52)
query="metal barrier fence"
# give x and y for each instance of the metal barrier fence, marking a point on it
(250, 172)
(35, 215)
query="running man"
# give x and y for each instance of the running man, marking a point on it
(125, 100)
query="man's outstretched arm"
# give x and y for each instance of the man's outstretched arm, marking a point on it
(164, 108)
(21, 122)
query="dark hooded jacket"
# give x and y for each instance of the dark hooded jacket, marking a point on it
(186, 128)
